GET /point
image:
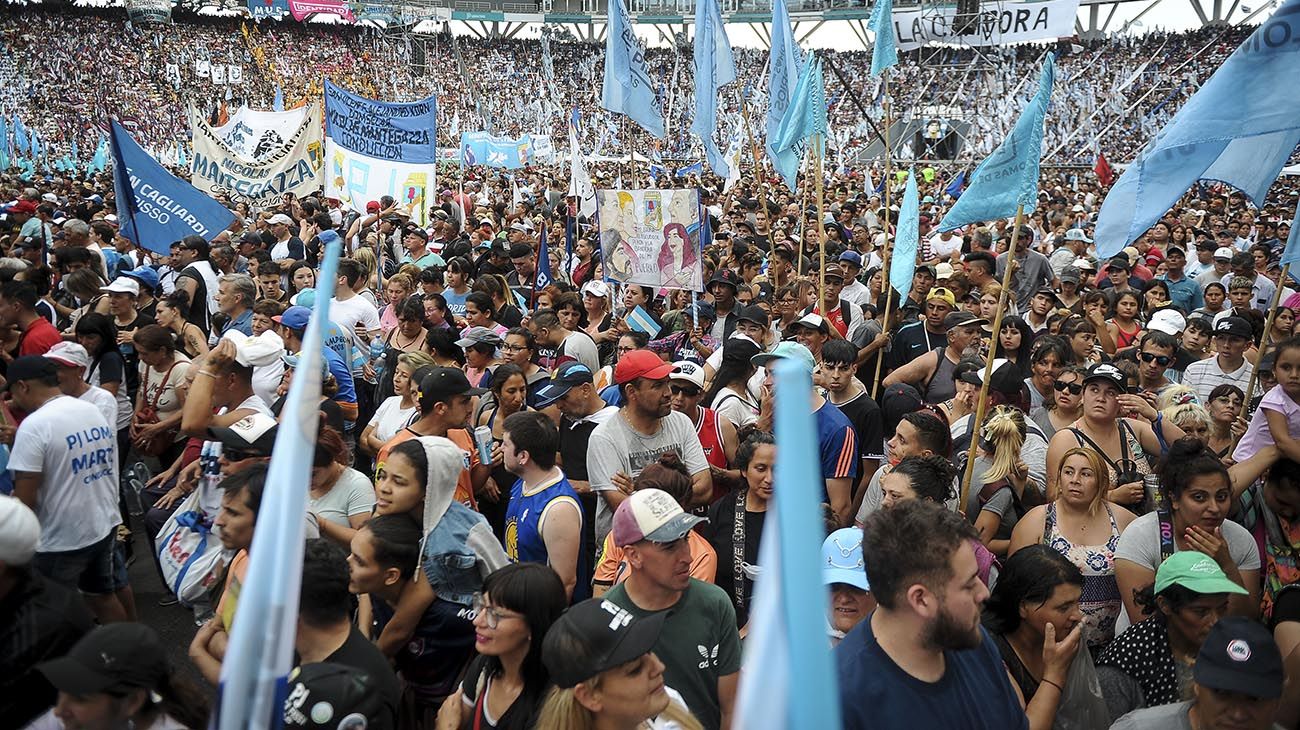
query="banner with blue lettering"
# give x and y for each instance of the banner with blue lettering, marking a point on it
(295, 165)
(375, 148)
(274, 9)
(154, 207)
(481, 148)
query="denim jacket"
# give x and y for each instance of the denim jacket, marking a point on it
(459, 553)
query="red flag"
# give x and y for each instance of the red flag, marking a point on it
(1105, 175)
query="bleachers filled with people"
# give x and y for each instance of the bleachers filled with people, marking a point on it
(539, 493)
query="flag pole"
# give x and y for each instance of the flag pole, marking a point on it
(818, 153)
(758, 174)
(980, 404)
(803, 216)
(884, 261)
(1263, 341)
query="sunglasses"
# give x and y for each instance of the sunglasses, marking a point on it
(685, 390)
(1062, 386)
(1161, 360)
(232, 455)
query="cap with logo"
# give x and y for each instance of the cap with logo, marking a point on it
(1240, 655)
(1108, 373)
(941, 294)
(594, 636)
(330, 696)
(727, 277)
(598, 289)
(114, 659)
(651, 514)
(1195, 571)
(69, 355)
(1233, 327)
(1224, 252)
(566, 377)
(253, 434)
(1169, 321)
(641, 364)
(842, 560)
(688, 372)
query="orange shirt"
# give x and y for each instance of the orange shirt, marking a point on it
(460, 437)
(234, 582)
(612, 569)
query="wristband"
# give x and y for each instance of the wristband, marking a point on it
(1058, 687)
(208, 373)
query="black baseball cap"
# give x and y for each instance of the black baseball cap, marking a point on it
(752, 313)
(565, 378)
(330, 695)
(520, 250)
(1239, 655)
(594, 636)
(416, 231)
(443, 383)
(1230, 326)
(1005, 378)
(31, 367)
(113, 658)
(959, 319)
(1108, 373)
(253, 434)
(1119, 262)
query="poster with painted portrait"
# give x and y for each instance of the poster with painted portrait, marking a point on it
(651, 237)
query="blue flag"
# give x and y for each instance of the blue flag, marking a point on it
(180, 156)
(255, 671)
(277, 104)
(20, 136)
(544, 278)
(957, 185)
(155, 208)
(714, 68)
(902, 263)
(785, 65)
(1009, 177)
(1236, 129)
(1291, 254)
(788, 680)
(805, 117)
(628, 89)
(884, 52)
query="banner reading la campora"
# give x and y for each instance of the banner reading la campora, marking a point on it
(376, 148)
(1015, 21)
(296, 167)
(651, 237)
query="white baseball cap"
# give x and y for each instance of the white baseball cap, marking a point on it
(123, 285)
(280, 219)
(689, 372)
(1168, 321)
(1224, 252)
(20, 532)
(69, 354)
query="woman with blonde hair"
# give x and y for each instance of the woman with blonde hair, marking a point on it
(369, 283)
(1184, 412)
(606, 675)
(1085, 528)
(989, 295)
(396, 289)
(998, 498)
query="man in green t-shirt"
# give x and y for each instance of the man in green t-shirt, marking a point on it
(699, 646)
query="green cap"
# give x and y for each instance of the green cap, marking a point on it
(1195, 571)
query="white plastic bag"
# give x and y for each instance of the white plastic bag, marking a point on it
(190, 555)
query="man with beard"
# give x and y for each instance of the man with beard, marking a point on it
(934, 373)
(922, 659)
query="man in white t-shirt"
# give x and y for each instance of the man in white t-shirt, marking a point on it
(64, 460)
(355, 315)
(73, 360)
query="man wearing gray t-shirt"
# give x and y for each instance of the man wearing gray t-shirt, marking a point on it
(646, 428)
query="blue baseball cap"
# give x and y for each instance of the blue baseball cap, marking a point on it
(295, 318)
(852, 257)
(305, 298)
(145, 275)
(842, 560)
(565, 378)
(787, 349)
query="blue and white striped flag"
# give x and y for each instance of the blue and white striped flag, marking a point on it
(627, 87)
(255, 672)
(788, 680)
(714, 68)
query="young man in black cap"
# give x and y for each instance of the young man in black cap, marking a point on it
(723, 288)
(1237, 680)
(1232, 335)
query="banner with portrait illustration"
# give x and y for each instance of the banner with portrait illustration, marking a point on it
(259, 135)
(376, 148)
(145, 12)
(294, 165)
(651, 237)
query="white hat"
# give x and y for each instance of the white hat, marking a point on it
(255, 352)
(943, 271)
(123, 285)
(596, 288)
(1078, 209)
(1077, 234)
(69, 354)
(280, 219)
(50, 198)
(1168, 321)
(689, 372)
(1083, 265)
(20, 532)
(1224, 252)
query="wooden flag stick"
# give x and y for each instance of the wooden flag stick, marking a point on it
(758, 176)
(982, 402)
(1263, 342)
(884, 260)
(819, 153)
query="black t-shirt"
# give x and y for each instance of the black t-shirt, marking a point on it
(720, 532)
(522, 713)
(864, 414)
(358, 653)
(39, 621)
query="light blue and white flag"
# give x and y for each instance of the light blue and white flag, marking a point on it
(805, 117)
(21, 140)
(907, 238)
(788, 680)
(714, 68)
(277, 104)
(1291, 254)
(1008, 178)
(255, 672)
(1239, 128)
(628, 89)
(785, 65)
(884, 51)
(154, 207)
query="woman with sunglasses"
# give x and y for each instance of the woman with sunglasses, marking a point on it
(505, 684)
(1065, 404)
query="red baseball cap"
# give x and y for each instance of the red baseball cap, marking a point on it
(641, 364)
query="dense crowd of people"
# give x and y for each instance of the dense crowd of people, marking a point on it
(52, 61)
(539, 504)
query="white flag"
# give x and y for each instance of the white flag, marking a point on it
(579, 181)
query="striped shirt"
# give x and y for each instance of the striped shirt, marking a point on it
(837, 442)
